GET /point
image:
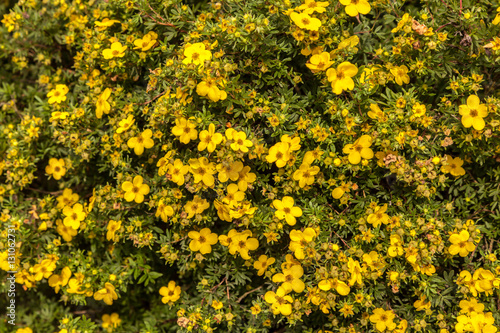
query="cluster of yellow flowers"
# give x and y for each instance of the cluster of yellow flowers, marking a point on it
(300, 165)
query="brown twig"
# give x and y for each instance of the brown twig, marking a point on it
(247, 293)
(154, 98)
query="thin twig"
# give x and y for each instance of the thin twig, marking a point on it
(247, 293)
(154, 98)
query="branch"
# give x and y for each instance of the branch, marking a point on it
(247, 293)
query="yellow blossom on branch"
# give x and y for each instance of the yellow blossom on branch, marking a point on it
(141, 141)
(107, 294)
(473, 113)
(341, 77)
(304, 21)
(136, 190)
(202, 241)
(117, 50)
(56, 168)
(355, 7)
(359, 149)
(170, 293)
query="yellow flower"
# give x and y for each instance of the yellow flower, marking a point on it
(460, 244)
(339, 192)
(240, 142)
(202, 171)
(304, 21)
(290, 279)
(396, 247)
(209, 87)
(279, 153)
(135, 191)
(299, 240)
(311, 6)
(341, 78)
(102, 105)
(171, 293)
(177, 171)
(125, 124)
(107, 294)
(196, 54)
(453, 166)
(113, 226)
(185, 129)
(256, 309)
(353, 7)
(164, 211)
(242, 244)
(67, 198)
(58, 281)
(209, 139)
(468, 307)
(106, 22)
(383, 319)
(56, 168)
(217, 305)
(376, 113)
(285, 210)
(202, 241)
(263, 263)
(110, 321)
(196, 206)
(473, 113)
(355, 270)
(378, 216)
(400, 74)
(143, 140)
(340, 286)
(116, 50)
(319, 62)
(24, 330)
(58, 94)
(147, 42)
(496, 20)
(73, 216)
(280, 301)
(305, 174)
(67, 233)
(229, 170)
(421, 304)
(360, 149)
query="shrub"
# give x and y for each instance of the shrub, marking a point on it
(250, 166)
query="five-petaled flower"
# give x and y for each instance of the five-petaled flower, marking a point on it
(196, 54)
(56, 168)
(473, 113)
(202, 241)
(135, 190)
(355, 7)
(58, 94)
(117, 50)
(141, 141)
(305, 21)
(341, 77)
(171, 293)
(185, 129)
(460, 244)
(280, 301)
(359, 149)
(286, 210)
(74, 215)
(453, 166)
(107, 294)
